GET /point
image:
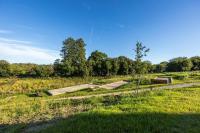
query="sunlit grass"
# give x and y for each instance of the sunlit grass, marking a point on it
(157, 111)
(28, 85)
(23, 109)
(18, 107)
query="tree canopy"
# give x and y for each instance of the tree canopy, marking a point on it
(73, 62)
(179, 64)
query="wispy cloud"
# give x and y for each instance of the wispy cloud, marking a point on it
(13, 41)
(5, 31)
(91, 35)
(21, 52)
(28, 27)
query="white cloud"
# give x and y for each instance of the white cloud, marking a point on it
(5, 31)
(23, 26)
(18, 51)
(13, 41)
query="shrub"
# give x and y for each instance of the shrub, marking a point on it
(194, 74)
(180, 76)
(144, 81)
(4, 68)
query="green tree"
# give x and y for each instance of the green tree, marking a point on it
(179, 64)
(57, 67)
(4, 68)
(95, 62)
(196, 62)
(107, 66)
(22, 69)
(115, 66)
(140, 69)
(43, 71)
(159, 68)
(123, 65)
(186, 65)
(148, 66)
(80, 59)
(73, 62)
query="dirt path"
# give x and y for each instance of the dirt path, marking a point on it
(128, 92)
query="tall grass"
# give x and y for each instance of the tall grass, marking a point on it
(28, 85)
(19, 109)
(147, 112)
(31, 85)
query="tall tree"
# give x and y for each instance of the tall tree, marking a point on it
(80, 59)
(73, 62)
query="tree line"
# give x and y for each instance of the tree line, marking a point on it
(73, 62)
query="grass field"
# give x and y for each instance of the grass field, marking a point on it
(161, 111)
(157, 111)
(175, 110)
(9, 86)
(12, 86)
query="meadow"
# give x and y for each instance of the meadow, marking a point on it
(15, 85)
(155, 111)
(160, 111)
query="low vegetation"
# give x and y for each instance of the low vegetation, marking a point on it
(157, 111)
(13, 85)
(31, 85)
(160, 111)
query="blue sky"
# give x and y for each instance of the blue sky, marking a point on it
(33, 30)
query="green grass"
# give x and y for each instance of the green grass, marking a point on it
(10, 86)
(27, 85)
(157, 111)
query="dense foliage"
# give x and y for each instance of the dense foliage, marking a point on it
(73, 62)
(179, 64)
(4, 68)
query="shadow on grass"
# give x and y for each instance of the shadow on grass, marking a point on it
(40, 93)
(115, 123)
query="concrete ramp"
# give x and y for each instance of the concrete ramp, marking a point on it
(85, 86)
(70, 89)
(113, 85)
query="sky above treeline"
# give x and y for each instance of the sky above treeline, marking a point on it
(33, 30)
